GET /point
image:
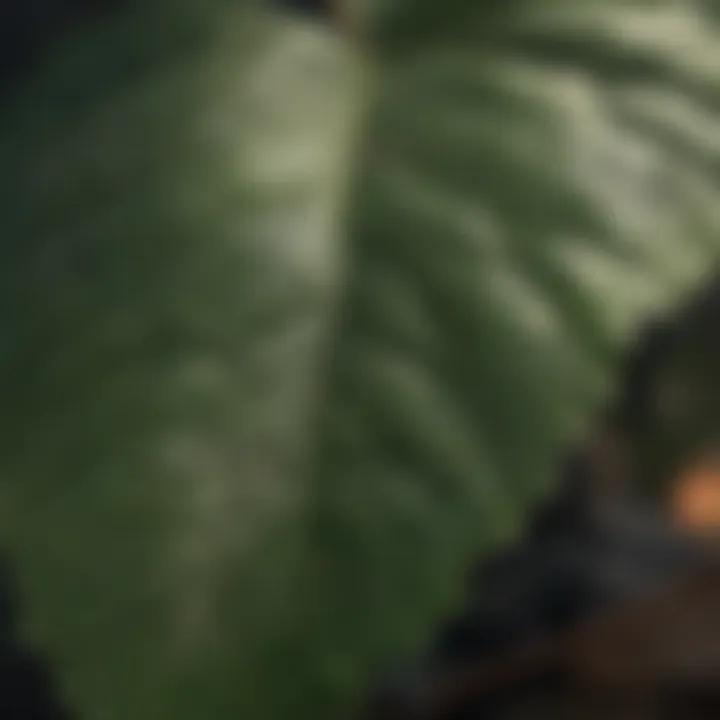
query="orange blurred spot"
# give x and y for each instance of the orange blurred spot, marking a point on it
(696, 498)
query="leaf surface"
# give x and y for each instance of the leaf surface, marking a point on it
(294, 328)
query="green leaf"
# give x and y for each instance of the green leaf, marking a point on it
(293, 328)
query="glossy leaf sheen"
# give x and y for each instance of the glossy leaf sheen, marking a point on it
(269, 382)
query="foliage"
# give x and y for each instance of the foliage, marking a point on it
(296, 320)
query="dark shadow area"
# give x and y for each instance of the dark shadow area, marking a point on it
(27, 688)
(29, 27)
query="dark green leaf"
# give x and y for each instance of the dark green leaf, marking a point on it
(270, 377)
